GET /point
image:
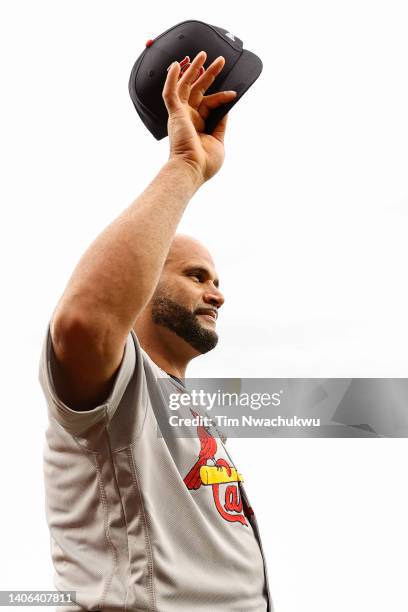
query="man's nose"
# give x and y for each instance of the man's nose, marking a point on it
(213, 296)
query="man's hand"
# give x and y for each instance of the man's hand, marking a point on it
(188, 108)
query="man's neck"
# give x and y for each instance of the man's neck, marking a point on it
(168, 365)
(166, 350)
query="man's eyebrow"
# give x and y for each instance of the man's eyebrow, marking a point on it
(201, 270)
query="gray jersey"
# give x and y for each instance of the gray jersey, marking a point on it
(135, 523)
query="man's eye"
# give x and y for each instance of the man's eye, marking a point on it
(196, 277)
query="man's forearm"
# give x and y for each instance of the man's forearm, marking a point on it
(118, 273)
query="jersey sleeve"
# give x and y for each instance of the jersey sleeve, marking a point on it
(75, 421)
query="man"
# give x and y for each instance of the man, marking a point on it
(133, 524)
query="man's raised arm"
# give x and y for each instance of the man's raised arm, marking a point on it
(117, 275)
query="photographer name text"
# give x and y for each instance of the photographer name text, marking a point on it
(242, 421)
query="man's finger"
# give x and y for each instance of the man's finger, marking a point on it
(214, 101)
(169, 94)
(191, 74)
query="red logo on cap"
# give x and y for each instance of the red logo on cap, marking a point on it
(184, 64)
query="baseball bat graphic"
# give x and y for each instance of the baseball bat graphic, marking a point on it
(215, 475)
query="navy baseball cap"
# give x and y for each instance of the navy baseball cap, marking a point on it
(181, 43)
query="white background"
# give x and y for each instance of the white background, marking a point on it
(307, 222)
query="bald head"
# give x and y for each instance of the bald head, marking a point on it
(186, 248)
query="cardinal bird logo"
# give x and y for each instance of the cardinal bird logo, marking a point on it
(209, 471)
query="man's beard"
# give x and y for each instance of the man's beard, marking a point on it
(184, 323)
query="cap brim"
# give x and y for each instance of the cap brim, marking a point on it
(239, 79)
